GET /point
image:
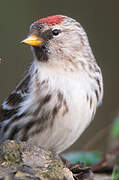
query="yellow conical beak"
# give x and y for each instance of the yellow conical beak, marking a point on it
(33, 40)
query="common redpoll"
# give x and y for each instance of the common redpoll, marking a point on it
(58, 96)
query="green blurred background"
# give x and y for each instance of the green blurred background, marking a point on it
(100, 19)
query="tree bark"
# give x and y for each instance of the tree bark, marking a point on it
(22, 161)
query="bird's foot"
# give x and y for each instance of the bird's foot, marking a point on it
(79, 170)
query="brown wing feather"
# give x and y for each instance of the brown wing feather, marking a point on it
(11, 105)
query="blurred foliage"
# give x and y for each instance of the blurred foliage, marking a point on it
(115, 128)
(89, 158)
(115, 174)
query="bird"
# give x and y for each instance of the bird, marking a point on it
(59, 93)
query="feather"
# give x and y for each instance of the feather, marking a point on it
(11, 105)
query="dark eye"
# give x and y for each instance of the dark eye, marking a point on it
(55, 32)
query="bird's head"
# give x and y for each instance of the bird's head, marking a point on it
(57, 38)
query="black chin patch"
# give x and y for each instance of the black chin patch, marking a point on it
(41, 53)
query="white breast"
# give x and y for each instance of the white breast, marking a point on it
(75, 88)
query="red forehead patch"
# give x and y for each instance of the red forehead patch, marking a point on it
(52, 20)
